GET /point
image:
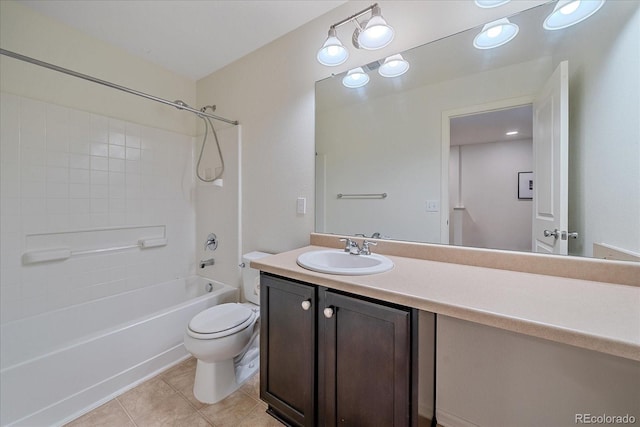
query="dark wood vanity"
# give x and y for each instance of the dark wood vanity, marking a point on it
(333, 358)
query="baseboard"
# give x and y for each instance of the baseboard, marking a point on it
(446, 419)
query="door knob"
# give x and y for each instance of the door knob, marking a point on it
(555, 233)
(306, 305)
(570, 235)
(328, 312)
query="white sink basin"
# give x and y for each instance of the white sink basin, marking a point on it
(333, 261)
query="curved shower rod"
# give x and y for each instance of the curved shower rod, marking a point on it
(180, 106)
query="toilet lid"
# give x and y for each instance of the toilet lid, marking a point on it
(220, 318)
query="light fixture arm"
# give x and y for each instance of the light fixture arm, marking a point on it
(355, 16)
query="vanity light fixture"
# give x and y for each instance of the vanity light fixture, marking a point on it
(332, 52)
(569, 12)
(355, 78)
(496, 34)
(376, 33)
(393, 66)
(373, 33)
(485, 4)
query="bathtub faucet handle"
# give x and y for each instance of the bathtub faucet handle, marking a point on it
(211, 243)
(207, 262)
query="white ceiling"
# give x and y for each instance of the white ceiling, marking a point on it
(493, 126)
(192, 38)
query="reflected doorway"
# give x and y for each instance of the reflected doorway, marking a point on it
(488, 150)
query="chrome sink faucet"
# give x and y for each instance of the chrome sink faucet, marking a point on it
(365, 247)
(352, 247)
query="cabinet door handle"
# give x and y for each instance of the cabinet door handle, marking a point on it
(328, 312)
(306, 305)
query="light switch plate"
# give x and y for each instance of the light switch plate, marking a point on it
(433, 205)
(301, 205)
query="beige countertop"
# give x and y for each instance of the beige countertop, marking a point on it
(599, 316)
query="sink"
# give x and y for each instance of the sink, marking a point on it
(333, 261)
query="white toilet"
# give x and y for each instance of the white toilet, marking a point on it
(225, 340)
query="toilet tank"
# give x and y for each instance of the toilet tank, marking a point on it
(251, 277)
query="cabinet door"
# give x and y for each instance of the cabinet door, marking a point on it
(365, 363)
(288, 349)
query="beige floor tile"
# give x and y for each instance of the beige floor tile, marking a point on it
(181, 378)
(252, 386)
(258, 417)
(231, 411)
(186, 366)
(172, 411)
(107, 415)
(145, 398)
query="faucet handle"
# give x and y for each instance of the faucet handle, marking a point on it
(348, 244)
(365, 247)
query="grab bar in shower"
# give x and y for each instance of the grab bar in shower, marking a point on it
(363, 196)
(62, 253)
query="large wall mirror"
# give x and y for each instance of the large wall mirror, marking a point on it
(425, 156)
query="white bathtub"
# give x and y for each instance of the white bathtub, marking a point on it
(58, 365)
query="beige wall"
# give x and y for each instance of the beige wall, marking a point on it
(27, 32)
(271, 93)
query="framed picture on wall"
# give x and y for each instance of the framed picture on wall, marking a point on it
(525, 185)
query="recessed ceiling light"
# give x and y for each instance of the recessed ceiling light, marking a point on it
(393, 66)
(496, 34)
(355, 78)
(485, 4)
(569, 12)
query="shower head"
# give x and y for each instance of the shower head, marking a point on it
(180, 104)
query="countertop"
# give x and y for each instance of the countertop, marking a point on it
(604, 317)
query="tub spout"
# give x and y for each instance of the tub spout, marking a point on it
(207, 262)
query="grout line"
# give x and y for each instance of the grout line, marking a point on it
(125, 411)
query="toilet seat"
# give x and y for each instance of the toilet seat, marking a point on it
(221, 321)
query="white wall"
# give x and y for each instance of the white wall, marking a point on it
(25, 31)
(494, 217)
(602, 141)
(218, 208)
(271, 93)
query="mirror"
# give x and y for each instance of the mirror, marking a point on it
(387, 162)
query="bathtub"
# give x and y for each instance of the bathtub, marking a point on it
(58, 365)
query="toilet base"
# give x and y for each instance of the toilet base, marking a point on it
(215, 381)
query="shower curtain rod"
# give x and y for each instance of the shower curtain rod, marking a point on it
(112, 85)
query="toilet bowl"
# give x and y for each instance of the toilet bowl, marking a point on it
(225, 340)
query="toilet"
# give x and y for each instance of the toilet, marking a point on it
(225, 339)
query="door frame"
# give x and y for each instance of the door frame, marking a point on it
(447, 115)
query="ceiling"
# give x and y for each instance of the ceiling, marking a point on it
(192, 38)
(493, 126)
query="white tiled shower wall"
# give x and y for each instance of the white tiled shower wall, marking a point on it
(64, 170)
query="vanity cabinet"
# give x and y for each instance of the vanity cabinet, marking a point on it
(330, 358)
(288, 349)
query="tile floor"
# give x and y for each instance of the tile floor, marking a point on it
(167, 400)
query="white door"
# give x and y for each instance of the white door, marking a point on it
(550, 164)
